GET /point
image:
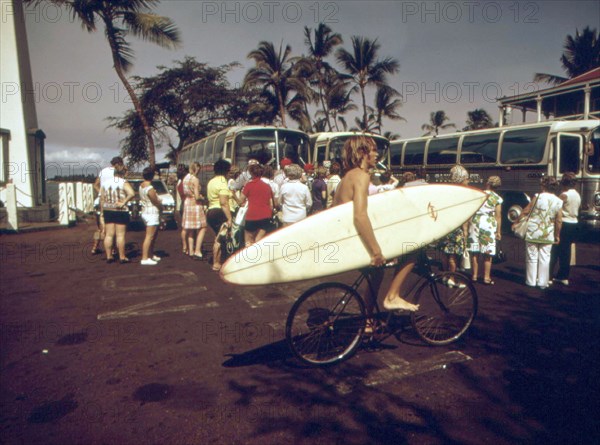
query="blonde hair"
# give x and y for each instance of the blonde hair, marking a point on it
(321, 172)
(354, 150)
(194, 168)
(494, 182)
(458, 174)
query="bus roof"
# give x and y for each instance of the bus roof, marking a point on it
(327, 135)
(233, 130)
(557, 125)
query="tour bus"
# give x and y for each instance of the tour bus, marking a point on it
(327, 146)
(520, 155)
(236, 144)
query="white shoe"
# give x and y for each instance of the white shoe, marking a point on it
(148, 262)
(563, 282)
(156, 258)
(450, 283)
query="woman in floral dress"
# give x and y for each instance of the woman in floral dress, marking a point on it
(484, 230)
(453, 244)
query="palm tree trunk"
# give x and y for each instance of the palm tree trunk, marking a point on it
(323, 103)
(281, 108)
(134, 99)
(364, 101)
(310, 123)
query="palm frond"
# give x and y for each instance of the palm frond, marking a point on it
(153, 28)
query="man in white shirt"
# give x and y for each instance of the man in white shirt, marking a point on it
(332, 182)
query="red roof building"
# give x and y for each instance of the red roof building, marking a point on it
(576, 98)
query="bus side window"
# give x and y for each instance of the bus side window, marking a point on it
(395, 153)
(442, 151)
(524, 146)
(219, 142)
(414, 152)
(479, 149)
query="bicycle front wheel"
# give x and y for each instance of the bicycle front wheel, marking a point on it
(326, 324)
(447, 308)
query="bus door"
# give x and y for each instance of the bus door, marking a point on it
(567, 155)
(320, 154)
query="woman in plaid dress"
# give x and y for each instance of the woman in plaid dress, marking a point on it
(194, 218)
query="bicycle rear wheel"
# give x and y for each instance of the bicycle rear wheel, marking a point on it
(326, 324)
(447, 308)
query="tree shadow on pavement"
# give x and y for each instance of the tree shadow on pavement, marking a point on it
(273, 354)
(534, 378)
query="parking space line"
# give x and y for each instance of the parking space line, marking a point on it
(159, 280)
(142, 313)
(397, 368)
(157, 289)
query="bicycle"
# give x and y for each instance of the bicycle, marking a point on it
(327, 323)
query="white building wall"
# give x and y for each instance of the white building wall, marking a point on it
(17, 106)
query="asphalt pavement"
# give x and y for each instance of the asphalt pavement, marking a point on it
(96, 353)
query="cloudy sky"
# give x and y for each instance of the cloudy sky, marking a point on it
(454, 56)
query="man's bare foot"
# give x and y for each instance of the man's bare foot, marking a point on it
(399, 304)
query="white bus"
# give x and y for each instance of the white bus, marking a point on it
(236, 144)
(519, 154)
(327, 146)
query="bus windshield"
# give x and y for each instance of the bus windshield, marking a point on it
(293, 146)
(261, 144)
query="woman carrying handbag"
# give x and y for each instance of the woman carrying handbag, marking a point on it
(544, 220)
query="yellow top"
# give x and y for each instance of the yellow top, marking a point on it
(216, 187)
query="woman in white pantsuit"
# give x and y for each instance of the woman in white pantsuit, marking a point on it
(543, 229)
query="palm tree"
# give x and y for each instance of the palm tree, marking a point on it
(273, 72)
(319, 48)
(387, 101)
(436, 122)
(478, 119)
(581, 54)
(365, 68)
(338, 98)
(391, 136)
(120, 18)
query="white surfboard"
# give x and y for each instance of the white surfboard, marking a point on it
(327, 243)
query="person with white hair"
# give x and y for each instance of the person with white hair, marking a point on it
(294, 196)
(453, 245)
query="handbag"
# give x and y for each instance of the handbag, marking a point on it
(520, 227)
(240, 216)
(500, 256)
(466, 260)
